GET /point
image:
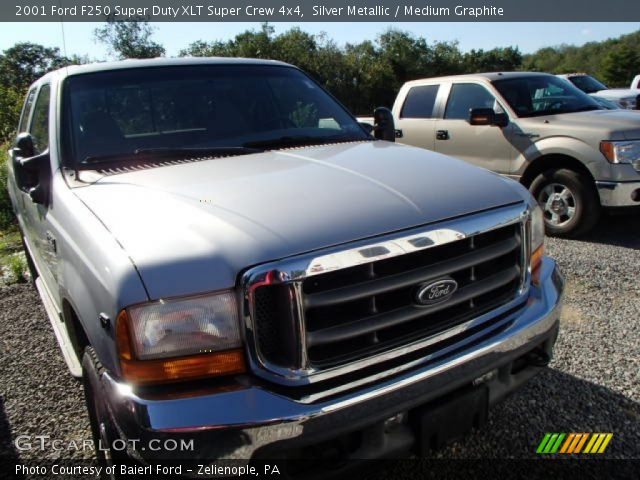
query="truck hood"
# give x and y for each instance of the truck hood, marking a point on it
(193, 227)
(617, 93)
(607, 124)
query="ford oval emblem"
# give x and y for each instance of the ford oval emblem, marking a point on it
(436, 292)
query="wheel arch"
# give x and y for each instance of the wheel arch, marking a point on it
(75, 329)
(553, 161)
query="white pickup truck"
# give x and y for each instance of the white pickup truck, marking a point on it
(572, 154)
(623, 97)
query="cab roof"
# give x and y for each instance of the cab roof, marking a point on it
(156, 62)
(487, 76)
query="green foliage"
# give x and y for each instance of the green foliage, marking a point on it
(17, 268)
(620, 65)
(495, 60)
(25, 62)
(10, 105)
(616, 61)
(20, 66)
(129, 39)
(6, 211)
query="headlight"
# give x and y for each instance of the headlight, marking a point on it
(537, 242)
(178, 339)
(629, 103)
(621, 152)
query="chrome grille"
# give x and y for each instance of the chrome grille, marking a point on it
(315, 317)
(362, 310)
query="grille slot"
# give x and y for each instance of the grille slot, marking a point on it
(338, 319)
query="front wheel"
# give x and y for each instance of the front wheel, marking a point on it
(569, 201)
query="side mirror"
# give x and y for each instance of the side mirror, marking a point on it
(487, 116)
(32, 172)
(384, 125)
(24, 145)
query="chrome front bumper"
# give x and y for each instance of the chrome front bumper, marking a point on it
(619, 194)
(250, 420)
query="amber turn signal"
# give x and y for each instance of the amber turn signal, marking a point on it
(608, 150)
(536, 264)
(170, 370)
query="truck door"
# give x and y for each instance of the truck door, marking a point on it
(42, 241)
(416, 118)
(482, 145)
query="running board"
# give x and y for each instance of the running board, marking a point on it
(68, 352)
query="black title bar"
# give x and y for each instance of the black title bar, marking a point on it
(320, 10)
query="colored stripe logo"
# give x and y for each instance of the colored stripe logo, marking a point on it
(574, 443)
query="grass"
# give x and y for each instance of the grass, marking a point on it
(13, 264)
(7, 218)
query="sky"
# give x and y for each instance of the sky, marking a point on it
(175, 36)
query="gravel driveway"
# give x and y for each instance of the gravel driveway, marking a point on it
(593, 384)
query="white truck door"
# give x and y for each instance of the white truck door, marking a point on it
(482, 145)
(416, 116)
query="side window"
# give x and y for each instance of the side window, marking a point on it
(464, 97)
(26, 110)
(420, 102)
(40, 123)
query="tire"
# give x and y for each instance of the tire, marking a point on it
(102, 429)
(569, 201)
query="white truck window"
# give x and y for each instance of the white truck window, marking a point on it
(420, 102)
(466, 96)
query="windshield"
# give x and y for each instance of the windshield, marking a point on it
(538, 95)
(225, 108)
(587, 83)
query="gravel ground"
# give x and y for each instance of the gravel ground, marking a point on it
(593, 384)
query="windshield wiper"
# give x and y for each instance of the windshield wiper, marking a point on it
(160, 153)
(299, 140)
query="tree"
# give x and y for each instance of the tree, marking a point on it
(25, 62)
(249, 44)
(20, 66)
(612, 60)
(494, 60)
(129, 39)
(10, 106)
(620, 65)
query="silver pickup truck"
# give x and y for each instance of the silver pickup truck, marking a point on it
(227, 256)
(575, 156)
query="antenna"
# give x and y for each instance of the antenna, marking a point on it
(64, 41)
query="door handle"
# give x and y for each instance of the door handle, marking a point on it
(527, 135)
(442, 135)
